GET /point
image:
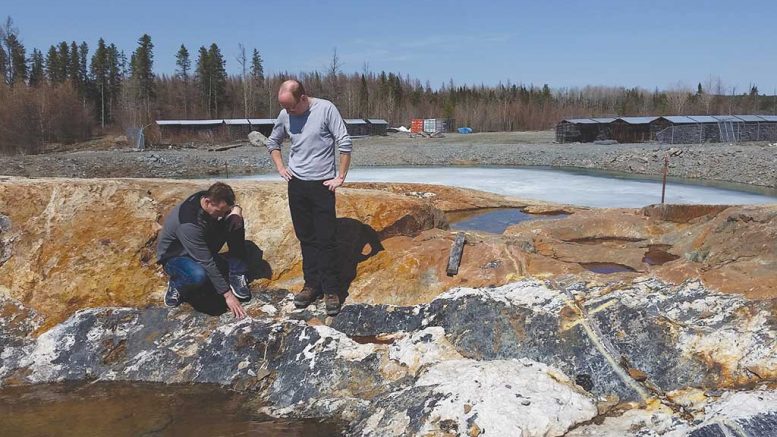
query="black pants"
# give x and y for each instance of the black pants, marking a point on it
(234, 234)
(312, 208)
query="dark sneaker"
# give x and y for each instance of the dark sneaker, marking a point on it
(240, 286)
(173, 297)
(306, 296)
(333, 304)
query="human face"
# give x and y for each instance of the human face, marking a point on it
(291, 104)
(216, 210)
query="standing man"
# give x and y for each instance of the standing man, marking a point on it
(189, 245)
(315, 128)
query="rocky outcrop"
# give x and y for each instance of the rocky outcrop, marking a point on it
(76, 244)
(466, 362)
(670, 345)
(87, 243)
(730, 248)
(66, 245)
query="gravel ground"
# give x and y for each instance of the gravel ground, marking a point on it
(745, 163)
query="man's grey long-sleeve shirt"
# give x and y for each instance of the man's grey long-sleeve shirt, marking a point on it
(313, 135)
(190, 231)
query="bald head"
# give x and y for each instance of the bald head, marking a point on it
(292, 97)
(294, 87)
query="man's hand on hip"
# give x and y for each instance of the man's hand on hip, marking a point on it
(234, 305)
(332, 184)
(285, 173)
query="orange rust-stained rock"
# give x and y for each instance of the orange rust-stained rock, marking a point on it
(681, 213)
(88, 243)
(637, 374)
(413, 270)
(732, 249)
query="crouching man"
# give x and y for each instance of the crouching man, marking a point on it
(189, 245)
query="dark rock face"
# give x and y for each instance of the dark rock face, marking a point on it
(436, 367)
(760, 425)
(17, 324)
(485, 330)
(5, 240)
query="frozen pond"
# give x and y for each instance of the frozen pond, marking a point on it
(560, 186)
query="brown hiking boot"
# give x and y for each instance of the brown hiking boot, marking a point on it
(306, 296)
(333, 304)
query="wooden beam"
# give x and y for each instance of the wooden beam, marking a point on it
(454, 260)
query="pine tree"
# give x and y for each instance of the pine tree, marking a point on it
(204, 79)
(83, 70)
(219, 77)
(64, 61)
(116, 65)
(141, 71)
(37, 73)
(18, 55)
(257, 67)
(184, 64)
(364, 98)
(52, 65)
(212, 79)
(99, 71)
(256, 79)
(74, 67)
(546, 92)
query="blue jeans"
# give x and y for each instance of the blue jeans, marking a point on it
(187, 275)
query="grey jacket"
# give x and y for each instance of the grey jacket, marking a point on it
(190, 231)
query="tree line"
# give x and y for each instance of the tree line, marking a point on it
(72, 93)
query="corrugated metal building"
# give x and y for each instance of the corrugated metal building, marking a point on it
(584, 130)
(237, 128)
(672, 129)
(378, 126)
(750, 127)
(357, 127)
(262, 125)
(633, 129)
(204, 130)
(718, 128)
(687, 129)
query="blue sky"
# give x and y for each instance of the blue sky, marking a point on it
(563, 43)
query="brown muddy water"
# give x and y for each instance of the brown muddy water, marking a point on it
(606, 268)
(142, 409)
(657, 255)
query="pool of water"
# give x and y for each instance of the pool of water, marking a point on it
(141, 409)
(606, 268)
(493, 220)
(658, 255)
(588, 188)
